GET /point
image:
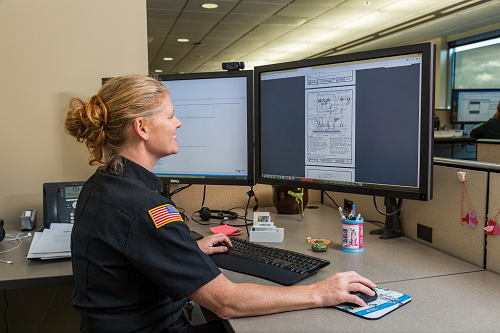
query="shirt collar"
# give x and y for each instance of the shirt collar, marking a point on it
(135, 171)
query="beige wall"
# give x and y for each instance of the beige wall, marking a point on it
(50, 51)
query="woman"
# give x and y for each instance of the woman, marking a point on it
(135, 263)
(490, 129)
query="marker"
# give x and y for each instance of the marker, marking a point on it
(353, 210)
(358, 217)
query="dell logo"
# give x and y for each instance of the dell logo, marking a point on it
(175, 181)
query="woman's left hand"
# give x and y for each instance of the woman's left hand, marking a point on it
(217, 243)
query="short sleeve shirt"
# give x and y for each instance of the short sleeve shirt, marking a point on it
(134, 260)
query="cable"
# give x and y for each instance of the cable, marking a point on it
(331, 198)
(400, 205)
(246, 214)
(177, 190)
(204, 193)
(47, 310)
(12, 238)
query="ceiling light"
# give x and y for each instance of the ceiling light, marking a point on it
(428, 17)
(459, 6)
(167, 59)
(158, 71)
(182, 40)
(209, 5)
(355, 43)
(366, 3)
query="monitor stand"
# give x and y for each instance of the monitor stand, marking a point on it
(392, 222)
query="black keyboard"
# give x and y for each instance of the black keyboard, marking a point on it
(274, 264)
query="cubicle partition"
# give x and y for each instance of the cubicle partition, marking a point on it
(493, 241)
(488, 150)
(445, 215)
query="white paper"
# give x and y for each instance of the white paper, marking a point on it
(50, 244)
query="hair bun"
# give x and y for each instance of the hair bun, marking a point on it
(96, 112)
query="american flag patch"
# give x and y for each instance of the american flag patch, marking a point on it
(164, 214)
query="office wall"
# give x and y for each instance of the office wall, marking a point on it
(51, 51)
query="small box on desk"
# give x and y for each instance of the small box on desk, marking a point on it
(266, 231)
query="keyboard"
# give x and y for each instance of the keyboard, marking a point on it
(270, 263)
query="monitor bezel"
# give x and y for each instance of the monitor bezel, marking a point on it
(454, 105)
(424, 191)
(250, 180)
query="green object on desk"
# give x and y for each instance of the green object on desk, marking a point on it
(299, 197)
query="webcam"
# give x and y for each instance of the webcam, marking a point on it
(233, 66)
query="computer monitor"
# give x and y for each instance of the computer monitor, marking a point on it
(216, 137)
(473, 106)
(359, 123)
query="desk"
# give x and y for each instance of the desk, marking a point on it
(449, 294)
(25, 273)
(464, 141)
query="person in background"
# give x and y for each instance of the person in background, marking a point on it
(135, 264)
(490, 129)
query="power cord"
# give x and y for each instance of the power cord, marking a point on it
(400, 205)
(12, 238)
(331, 199)
(47, 310)
(177, 190)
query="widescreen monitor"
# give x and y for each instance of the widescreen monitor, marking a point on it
(359, 123)
(473, 106)
(216, 136)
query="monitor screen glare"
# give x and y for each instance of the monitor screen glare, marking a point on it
(354, 123)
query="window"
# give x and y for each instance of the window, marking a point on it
(476, 61)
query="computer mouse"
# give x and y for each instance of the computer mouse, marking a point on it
(365, 297)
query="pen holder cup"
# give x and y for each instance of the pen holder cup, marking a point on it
(352, 235)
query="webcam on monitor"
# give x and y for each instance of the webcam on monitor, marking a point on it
(233, 66)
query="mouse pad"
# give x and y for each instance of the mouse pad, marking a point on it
(386, 302)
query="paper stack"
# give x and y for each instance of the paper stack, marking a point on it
(53, 243)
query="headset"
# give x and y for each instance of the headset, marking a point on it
(207, 214)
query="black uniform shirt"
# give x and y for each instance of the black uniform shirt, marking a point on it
(488, 130)
(132, 267)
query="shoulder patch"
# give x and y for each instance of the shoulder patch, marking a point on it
(164, 214)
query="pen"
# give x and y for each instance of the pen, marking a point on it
(342, 216)
(353, 210)
(358, 217)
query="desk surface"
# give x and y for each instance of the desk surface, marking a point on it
(449, 294)
(24, 273)
(457, 139)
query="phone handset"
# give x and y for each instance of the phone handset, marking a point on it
(50, 195)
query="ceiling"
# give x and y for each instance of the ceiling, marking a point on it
(260, 32)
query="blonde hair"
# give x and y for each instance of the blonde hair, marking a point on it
(101, 122)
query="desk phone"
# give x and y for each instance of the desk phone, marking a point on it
(59, 202)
